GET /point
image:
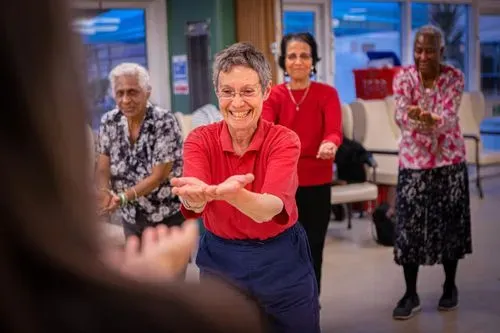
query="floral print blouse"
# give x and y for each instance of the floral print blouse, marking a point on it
(159, 141)
(442, 146)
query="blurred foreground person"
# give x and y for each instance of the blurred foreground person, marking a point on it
(52, 276)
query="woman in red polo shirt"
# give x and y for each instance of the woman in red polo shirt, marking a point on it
(312, 110)
(241, 176)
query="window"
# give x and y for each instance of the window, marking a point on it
(299, 21)
(363, 29)
(489, 35)
(110, 37)
(452, 20)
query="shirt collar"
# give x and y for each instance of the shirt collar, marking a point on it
(148, 118)
(149, 110)
(255, 143)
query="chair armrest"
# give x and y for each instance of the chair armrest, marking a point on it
(374, 167)
(489, 133)
(472, 137)
(373, 163)
(384, 152)
(477, 140)
(370, 161)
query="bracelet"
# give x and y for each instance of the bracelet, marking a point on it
(188, 206)
(123, 199)
(135, 193)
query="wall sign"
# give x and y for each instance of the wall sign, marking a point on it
(180, 74)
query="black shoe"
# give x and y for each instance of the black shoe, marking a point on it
(449, 299)
(407, 307)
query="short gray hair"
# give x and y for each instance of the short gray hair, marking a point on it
(130, 69)
(242, 54)
(432, 30)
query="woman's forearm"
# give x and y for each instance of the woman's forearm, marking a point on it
(259, 207)
(147, 185)
(143, 188)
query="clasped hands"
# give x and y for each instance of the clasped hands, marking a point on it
(425, 119)
(108, 201)
(197, 193)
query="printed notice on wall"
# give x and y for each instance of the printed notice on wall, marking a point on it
(180, 74)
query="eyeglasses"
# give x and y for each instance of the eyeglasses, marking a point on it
(226, 93)
(302, 56)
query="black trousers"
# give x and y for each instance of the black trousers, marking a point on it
(142, 223)
(314, 207)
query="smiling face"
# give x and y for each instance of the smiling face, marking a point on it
(298, 60)
(241, 98)
(427, 53)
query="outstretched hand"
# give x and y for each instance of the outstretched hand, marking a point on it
(414, 112)
(327, 150)
(425, 119)
(198, 193)
(191, 189)
(429, 119)
(230, 187)
(162, 254)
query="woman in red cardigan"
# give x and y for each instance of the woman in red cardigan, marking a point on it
(312, 110)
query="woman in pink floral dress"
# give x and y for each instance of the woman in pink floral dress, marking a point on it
(433, 213)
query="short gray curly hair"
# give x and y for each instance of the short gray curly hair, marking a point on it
(432, 30)
(242, 54)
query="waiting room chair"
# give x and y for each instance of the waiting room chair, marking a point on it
(471, 114)
(350, 193)
(375, 128)
(184, 121)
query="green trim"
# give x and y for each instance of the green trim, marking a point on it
(221, 16)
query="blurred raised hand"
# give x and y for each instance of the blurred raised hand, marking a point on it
(162, 254)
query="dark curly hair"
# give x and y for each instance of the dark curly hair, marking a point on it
(305, 37)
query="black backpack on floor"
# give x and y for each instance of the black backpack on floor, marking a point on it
(384, 226)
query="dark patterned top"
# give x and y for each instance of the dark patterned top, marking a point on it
(159, 141)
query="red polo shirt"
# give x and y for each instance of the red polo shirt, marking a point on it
(272, 157)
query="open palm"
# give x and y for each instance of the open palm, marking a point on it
(230, 187)
(162, 254)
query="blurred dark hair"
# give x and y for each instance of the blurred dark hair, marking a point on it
(305, 37)
(51, 273)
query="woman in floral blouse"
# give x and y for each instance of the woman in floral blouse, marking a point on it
(433, 213)
(140, 148)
